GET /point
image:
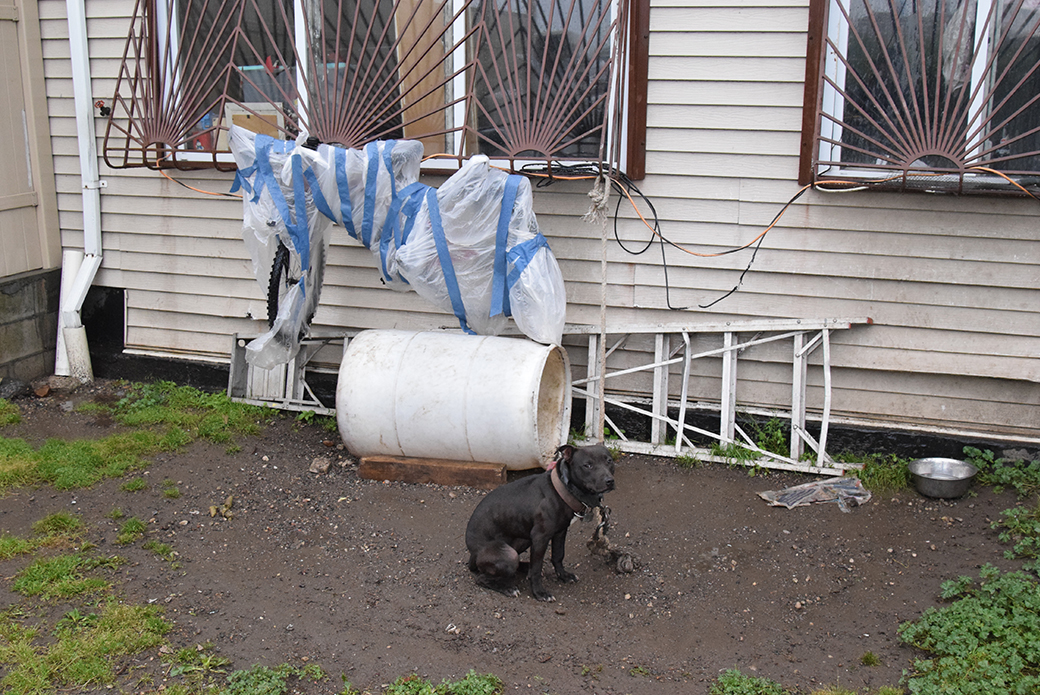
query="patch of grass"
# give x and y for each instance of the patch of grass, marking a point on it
(210, 416)
(170, 490)
(59, 524)
(136, 484)
(75, 464)
(163, 550)
(9, 413)
(82, 652)
(12, 546)
(687, 461)
(472, 684)
(733, 682)
(984, 641)
(881, 473)
(63, 576)
(17, 464)
(870, 659)
(132, 530)
(116, 514)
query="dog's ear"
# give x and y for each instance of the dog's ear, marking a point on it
(564, 453)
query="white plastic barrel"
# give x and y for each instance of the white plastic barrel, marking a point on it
(453, 396)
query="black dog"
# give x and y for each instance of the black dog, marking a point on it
(530, 512)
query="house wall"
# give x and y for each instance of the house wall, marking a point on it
(952, 284)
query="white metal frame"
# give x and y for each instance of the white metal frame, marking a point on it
(807, 335)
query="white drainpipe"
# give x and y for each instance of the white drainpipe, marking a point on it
(79, 268)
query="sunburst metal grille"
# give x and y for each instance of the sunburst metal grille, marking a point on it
(509, 78)
(930, 93)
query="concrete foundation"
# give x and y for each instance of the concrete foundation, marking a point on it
(29, 324)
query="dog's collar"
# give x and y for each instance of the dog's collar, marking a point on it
(576, 505)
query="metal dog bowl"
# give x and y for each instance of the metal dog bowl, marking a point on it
(939, 477)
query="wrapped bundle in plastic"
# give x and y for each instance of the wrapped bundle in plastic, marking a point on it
(473, 247)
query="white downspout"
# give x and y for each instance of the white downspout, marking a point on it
(79, 268)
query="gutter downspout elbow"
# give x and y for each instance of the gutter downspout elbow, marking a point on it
(78, 269)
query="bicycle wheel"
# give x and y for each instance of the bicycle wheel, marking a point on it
(286, 272)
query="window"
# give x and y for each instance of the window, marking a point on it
(924, 94)
(513, 79)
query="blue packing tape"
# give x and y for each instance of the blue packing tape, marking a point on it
(371, 179)
(450, 281)
(319, 197)
(407, 203)
(299, 232)
(522, 254)
(499, 295)
(345, 207)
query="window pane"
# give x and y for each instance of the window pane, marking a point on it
(1012, 134)
(931, 90)
(906, 87)
(355, 67)
(542, 78)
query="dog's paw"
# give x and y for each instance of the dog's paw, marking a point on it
(567, 577)
(548, 598)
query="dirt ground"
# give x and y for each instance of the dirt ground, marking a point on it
(369, 578)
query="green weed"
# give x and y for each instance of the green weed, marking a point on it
(687, 461)
(1021, 527)
(870, 659)
(198, 665)
(1023, 476)
(261, 680)
(984, 641)
(733, 682)
(9, 413)
(472, 684)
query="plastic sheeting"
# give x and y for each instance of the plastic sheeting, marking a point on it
(847, 492)
(472, 247)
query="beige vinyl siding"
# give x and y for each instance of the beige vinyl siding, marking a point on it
(952, 283)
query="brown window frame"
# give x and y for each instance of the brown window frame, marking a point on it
(923, 127)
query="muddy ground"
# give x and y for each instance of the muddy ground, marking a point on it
(369, 578)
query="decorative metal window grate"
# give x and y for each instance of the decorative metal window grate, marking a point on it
(513, 79)
(924, 94)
